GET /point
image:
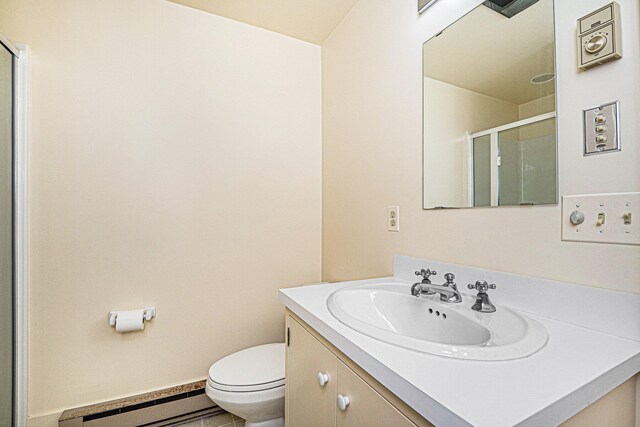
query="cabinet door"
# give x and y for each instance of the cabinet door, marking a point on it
(366, 408)
(309, 404)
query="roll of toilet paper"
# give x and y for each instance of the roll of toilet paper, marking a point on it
(130, 320)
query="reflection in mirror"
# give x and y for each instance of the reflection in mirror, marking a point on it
(489, 110)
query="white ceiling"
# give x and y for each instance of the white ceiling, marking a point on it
(490, 54)
(308, 20)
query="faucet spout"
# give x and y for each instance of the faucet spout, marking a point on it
(416, 289)
(419, 288)
(448, 293)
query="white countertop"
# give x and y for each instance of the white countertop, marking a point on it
(575, 368)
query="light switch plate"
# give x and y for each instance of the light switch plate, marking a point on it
(602, 129)
(610, 209)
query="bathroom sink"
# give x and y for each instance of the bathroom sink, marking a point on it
(388, 312)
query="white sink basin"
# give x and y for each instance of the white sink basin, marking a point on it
(389, 312)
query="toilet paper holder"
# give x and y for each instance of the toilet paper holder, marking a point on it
(147, 314)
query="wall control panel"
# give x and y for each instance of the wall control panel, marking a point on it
(599, 37)
(602, 128)
(602, 218)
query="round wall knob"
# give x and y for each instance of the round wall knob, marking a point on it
(323, 379)
(596, 43)
(343, 402)
(576, 218)
(600, 118)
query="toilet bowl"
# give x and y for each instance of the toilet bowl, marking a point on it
(250, 384)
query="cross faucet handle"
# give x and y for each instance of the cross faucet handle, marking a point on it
(426, 273)
(482, 286)
(483, 304)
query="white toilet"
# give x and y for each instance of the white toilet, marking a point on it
(250, 384)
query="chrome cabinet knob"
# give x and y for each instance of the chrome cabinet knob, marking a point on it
(343, 402)
(323, 379)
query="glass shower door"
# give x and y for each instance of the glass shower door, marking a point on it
(528, 164)
(514, 164)
(482, 171)
(6, 238)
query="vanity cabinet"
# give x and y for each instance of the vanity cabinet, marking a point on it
(326, 389)
(307, 402)
(366, 407)
(312, 400)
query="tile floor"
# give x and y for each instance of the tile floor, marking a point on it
(222, 420)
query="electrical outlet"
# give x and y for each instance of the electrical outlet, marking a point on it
(393, 218)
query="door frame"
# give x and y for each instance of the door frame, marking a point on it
(21, 160)
(21, 265)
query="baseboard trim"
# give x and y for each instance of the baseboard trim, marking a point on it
(155, 409)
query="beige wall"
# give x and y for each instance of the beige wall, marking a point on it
(175, 161)
(449, 113)
(372, 149)
(536, 107)
(163, 146)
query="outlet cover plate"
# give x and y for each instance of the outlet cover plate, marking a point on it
(393, 218)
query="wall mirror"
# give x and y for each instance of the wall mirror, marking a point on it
(489, 134)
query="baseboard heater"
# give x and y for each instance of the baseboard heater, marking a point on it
(159, 408)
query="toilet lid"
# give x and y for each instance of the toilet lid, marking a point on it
(252, 369)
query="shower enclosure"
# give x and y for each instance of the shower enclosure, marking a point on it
(12, 236)
(514, 164)
(6, 237)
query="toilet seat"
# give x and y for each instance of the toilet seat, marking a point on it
(253, 369)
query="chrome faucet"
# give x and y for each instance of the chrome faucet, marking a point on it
(483, 304)
(448, 291)
(419, 288)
